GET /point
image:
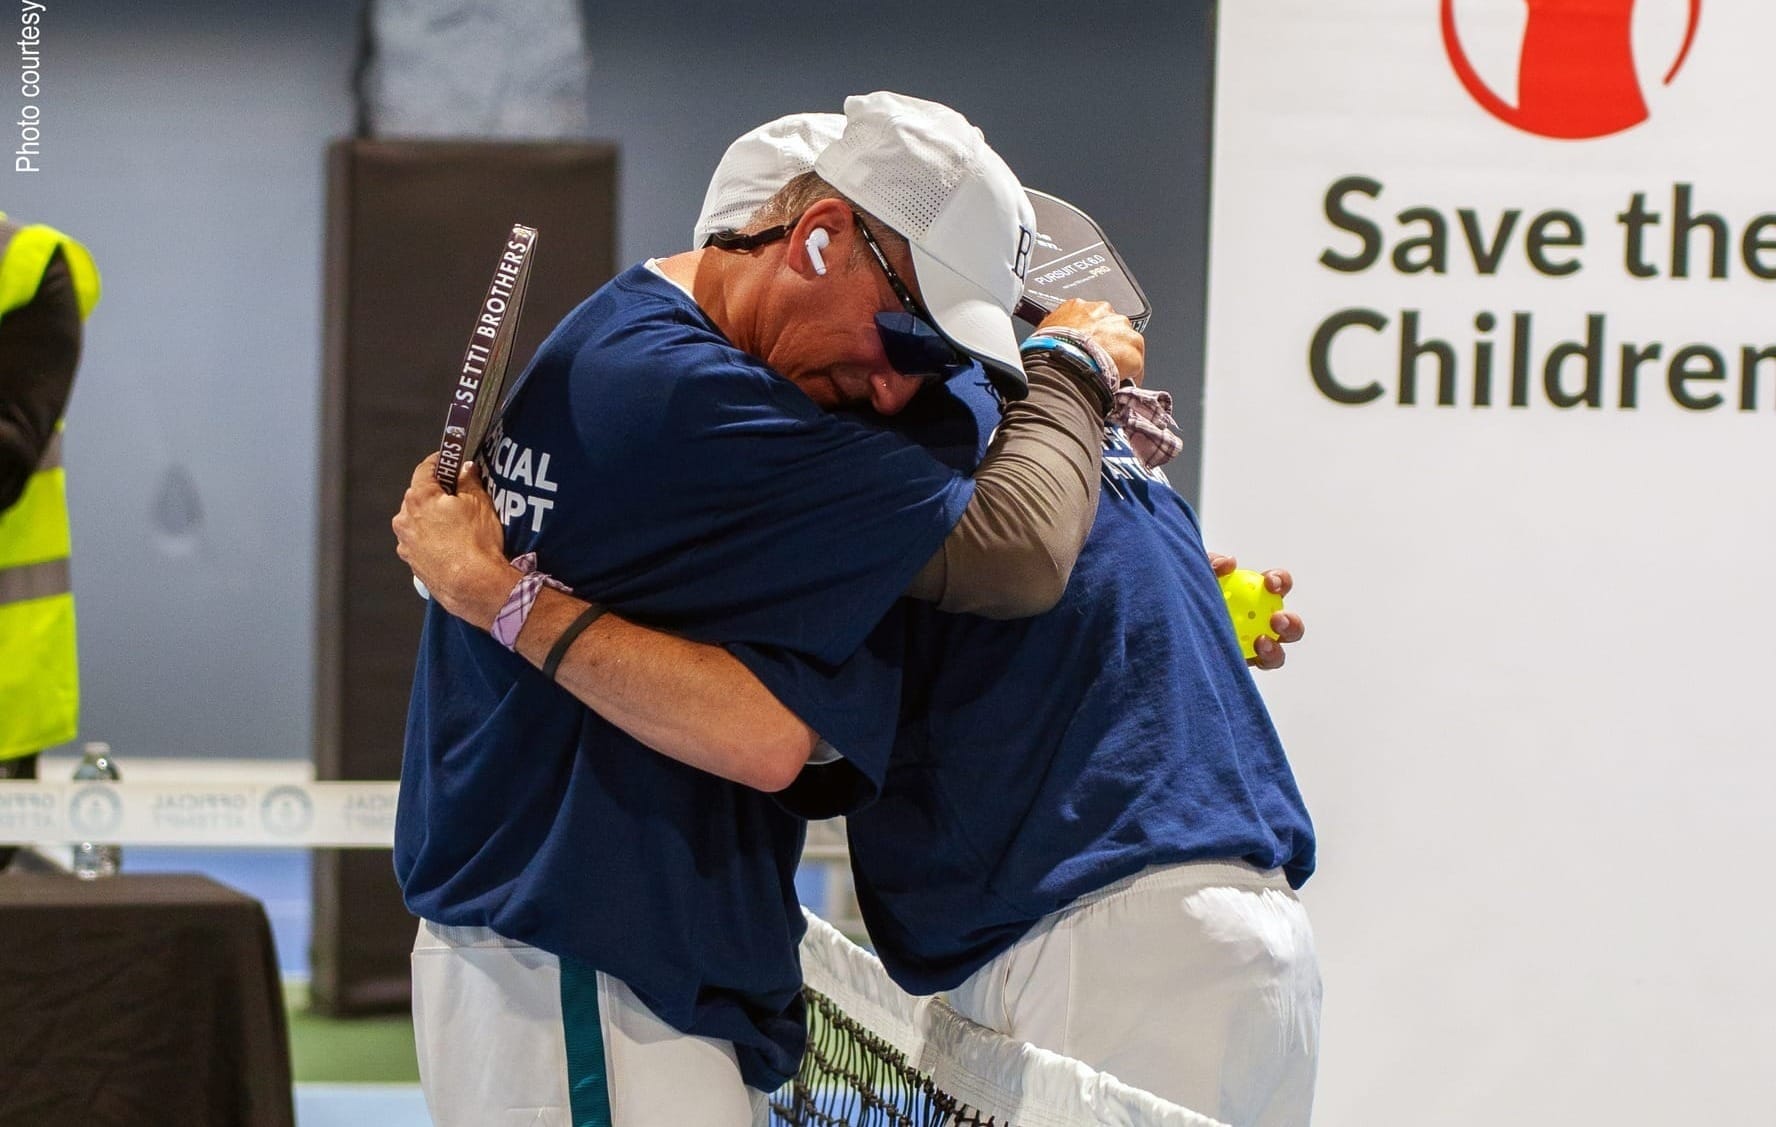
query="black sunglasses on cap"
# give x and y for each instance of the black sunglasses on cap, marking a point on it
(911, 339)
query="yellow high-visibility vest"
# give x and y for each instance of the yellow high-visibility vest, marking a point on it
(39, 665)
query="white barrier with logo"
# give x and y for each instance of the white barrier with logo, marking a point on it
(348, 815)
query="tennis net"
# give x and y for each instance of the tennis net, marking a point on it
(879, 1057)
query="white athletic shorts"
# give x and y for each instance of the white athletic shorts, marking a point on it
(1197, 982)
(505, 1039)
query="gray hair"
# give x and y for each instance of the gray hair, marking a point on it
(808, 189)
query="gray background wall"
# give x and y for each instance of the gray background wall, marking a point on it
(183, 142)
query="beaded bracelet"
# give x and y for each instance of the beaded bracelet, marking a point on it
(1106, 364)
(1075, 362)
(1079, 356)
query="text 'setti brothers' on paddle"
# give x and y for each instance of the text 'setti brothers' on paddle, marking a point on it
(478, 399)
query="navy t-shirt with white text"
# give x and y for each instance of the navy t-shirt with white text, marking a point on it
(656, 468)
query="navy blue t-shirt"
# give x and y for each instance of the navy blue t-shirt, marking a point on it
(656, 468)
(1043, 759)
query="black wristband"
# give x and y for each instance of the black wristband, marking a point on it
(574, 629)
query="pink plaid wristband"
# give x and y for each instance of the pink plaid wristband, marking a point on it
(510, 619)
(1146, 418)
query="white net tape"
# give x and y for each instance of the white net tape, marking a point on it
(1006, 1082)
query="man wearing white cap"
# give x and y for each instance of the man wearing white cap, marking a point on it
(1121, 886)
(607, 932)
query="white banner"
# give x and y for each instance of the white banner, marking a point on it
(1492, 367)
(298, 814)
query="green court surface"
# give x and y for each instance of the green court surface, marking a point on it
(359, 1050)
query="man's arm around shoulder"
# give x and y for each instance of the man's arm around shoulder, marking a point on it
(693, 702)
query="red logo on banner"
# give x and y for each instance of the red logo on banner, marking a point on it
(1576, 77)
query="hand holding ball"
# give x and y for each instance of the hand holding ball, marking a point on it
(1250, 604)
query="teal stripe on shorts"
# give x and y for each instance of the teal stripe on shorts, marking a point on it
(588, 1089)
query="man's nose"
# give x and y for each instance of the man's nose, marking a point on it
(890, 391)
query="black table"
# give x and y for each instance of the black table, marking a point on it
(138, 1001)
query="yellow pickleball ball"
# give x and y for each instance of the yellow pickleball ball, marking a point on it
(1250, 604)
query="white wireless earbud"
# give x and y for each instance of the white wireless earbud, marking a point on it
(816, 241)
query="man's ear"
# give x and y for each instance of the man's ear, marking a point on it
(823, 225)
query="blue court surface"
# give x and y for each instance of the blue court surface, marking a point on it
(354, 1105)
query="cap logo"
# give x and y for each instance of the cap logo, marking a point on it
(1021, 264)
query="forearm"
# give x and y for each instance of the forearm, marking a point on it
(39, 347)
(1034, 498)
(693, 702)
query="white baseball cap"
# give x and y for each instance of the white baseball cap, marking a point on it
(760, 162)
(926, 172)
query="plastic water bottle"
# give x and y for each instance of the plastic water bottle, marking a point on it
(93, 861)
